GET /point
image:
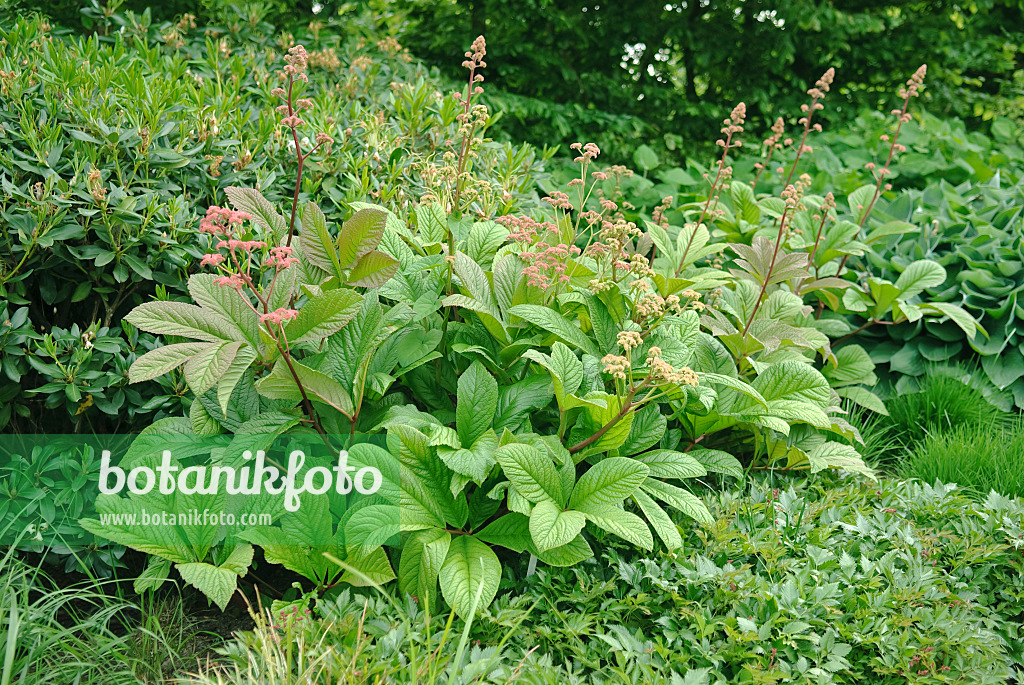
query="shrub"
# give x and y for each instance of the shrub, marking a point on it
(102, 169)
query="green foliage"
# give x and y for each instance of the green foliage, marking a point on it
(980, 457)
(662, 72)
(105, 172)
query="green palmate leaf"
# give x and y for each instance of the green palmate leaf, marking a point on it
(626, 525)
(531, 473)
(608, 483)
(360, 235)
(316, 244)
(206, 367)
(280, 384)
(552, 527)
(477, 400)
(658, 519)
(919, 275)
(423, 554)
(469, 566)
(163, 359)
(555, 323)
(323, 315)
(252, 202)
(671, 464)
(678, 498)
(179, 318)
(717, 461)
(373, 270)
(229, 303)
(511, 531)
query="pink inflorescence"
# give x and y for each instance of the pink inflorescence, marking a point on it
(213, 260)
(278, 316)
(548, 264)
(281, 257)
(222, 221)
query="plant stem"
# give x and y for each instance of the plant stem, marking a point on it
(627, 404)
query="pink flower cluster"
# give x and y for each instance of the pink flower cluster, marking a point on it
(548, 264)
(222, 221)
(523, 229)
(278, 316)
(281, 258)
(589, 151)
(241, 245)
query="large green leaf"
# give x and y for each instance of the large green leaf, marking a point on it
(659, 520)
(179, 318)
(280, 384)
(360, 235)
(423, 554)
(228, 303)
(919, 275)
(164, 359)
(477, 399)
(469, 570)
(373, 270)
(552, 527)
(553, 322)
(511, 531)
(252, 202)
(626, 525)
(531, 473)
(671, 464)
(608, 483)
(323, 315)
(206, 367)
(678, 498)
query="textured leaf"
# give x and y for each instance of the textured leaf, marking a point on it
(511, 531)
(531, 472)
(228, 303)
(839, 456)
(280, 385)
(206, 367)
(360, 235)
(423, 554)
(316, 243)
(717, 461)
(229, 379)
(646, 430)
(323, 315)
(431, 223)
(517, 401)
(373, 270)
(678, 498)
(179, 318)
(659, 520)
(218, 584)
(919, 275)
(252, 202)
(552, 527)
(553, 322)
(477, 399)
(469, 566)
(671, 464)
(567, 555)
(608, 482)
(626, 525)
(792, 380)
(863, 397)
(157, 362)
(852, 365)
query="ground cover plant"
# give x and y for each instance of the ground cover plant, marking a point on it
(663, 406)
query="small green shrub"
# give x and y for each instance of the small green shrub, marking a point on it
(979, 456)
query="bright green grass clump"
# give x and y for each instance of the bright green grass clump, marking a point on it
(979, 457)
(943, 404)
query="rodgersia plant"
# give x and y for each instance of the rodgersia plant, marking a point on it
(541, 381)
